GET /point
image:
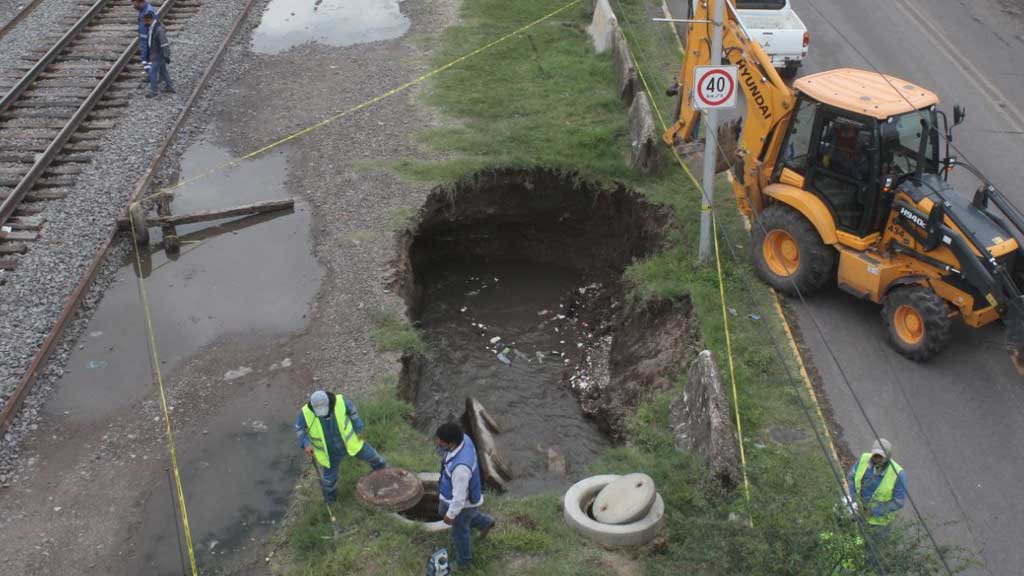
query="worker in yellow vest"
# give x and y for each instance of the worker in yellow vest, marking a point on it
(328, 428)
(878, 485)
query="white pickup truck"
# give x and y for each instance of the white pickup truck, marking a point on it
(777, 27)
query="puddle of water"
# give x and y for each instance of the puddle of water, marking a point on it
(237, 480)
(527, 396)
(246, 276)
(288, 23)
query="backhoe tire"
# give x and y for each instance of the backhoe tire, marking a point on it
(788, 253)
(918, 321)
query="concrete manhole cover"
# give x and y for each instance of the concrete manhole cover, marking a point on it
(625, 500)
(391, 489)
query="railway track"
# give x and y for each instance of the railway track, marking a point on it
(58, 103)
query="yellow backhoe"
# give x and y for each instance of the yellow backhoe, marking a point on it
(843, 177)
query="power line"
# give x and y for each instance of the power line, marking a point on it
(837, 475)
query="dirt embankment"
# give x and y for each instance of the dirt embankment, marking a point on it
(550, 217)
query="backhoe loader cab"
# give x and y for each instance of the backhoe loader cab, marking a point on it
(842, 174)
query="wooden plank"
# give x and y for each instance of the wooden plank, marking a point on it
(8, 264)
(26, 222)
(12, 248)
(19, 236)
(257, 208)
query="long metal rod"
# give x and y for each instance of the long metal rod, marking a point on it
(14, 401)
(10, 204)
(16, 91)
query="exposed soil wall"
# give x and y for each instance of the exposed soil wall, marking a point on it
(551, 217)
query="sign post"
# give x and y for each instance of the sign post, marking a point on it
(714, 87)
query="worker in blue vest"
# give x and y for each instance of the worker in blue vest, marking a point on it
(878, 485)
(143, 7)
(461, 490)
(329, 428)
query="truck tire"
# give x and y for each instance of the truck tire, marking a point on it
(788, 253)
(917, 320)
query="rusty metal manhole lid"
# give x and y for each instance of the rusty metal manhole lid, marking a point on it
(391, 489)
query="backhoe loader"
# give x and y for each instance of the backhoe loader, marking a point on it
(842, 177)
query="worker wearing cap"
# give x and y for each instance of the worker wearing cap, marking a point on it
(329, 428)
(878, 484)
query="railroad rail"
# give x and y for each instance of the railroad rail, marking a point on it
(13, 402)
(13, 22)
(53, 115)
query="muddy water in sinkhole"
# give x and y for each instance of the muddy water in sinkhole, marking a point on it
(470, 314)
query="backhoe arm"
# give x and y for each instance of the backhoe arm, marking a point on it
(769, 101)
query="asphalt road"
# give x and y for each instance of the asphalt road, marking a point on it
(957, 423)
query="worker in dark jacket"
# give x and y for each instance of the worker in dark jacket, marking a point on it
(144, 7)
(159, 55)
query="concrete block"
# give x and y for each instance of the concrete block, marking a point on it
(644, 138)
(602, 27)
(624, 69)
(625, 500)
(701, 423)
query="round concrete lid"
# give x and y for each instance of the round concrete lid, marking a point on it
(624, 500)
(391, 489)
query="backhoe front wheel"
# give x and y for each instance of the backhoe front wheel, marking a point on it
(918, 321)
(788, 253)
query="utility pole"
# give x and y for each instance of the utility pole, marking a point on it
(710, 144)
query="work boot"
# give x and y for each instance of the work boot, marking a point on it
(170, 90)
(486, 530)
(150, 94)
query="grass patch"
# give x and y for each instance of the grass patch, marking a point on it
(392, 333)
(544, 99)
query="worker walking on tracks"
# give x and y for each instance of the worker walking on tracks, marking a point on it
(878, 485)
(329, 428)
(143, 7)
(461, 490)
(159, 54)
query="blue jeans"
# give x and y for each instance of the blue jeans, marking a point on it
(157, 72)
(329, 476)
(468, 519)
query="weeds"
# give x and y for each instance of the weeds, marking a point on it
(395, 334)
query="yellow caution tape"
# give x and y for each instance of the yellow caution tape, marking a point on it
(721, 280)
(358, 107)
(155, 360)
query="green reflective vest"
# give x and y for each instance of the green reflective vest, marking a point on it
(353, 443)
(883, 493)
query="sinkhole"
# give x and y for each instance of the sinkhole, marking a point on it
(515, 279)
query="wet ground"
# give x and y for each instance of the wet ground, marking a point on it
(288, 23)
(500, 332)
(252, 277)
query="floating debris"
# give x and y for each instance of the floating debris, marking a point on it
(237, 373)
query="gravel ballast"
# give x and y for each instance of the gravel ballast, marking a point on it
(33, 295)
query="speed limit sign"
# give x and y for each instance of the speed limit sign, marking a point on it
(714, 87)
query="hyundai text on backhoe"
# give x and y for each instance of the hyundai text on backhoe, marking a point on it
(842, 176)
